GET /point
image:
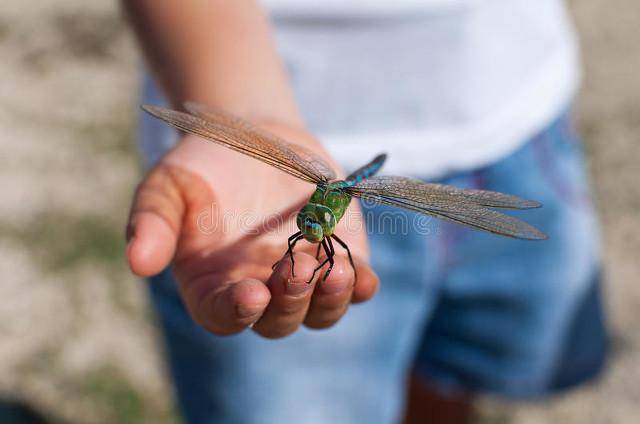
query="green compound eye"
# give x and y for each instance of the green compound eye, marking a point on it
(312, 231)
(308, 224)
(316, 221)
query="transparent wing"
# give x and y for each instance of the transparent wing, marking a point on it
(413, 189)
(241, 136)
(467, 207)
(306, 158)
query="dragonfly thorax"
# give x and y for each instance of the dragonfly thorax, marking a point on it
(326, 207)
(332, 196)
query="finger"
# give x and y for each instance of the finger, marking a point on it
(154, 223)
(367, 284)
(290, 297)
(331, 298)
(225, 308)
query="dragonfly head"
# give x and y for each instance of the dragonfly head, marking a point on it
(316, 222)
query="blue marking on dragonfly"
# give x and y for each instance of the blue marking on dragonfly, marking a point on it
(366, 171)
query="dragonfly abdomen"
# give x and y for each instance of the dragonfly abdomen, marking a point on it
(366, 171)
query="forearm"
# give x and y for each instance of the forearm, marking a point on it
(217, 52)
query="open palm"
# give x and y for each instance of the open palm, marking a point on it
(222, 220)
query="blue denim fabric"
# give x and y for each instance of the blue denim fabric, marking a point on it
(469, 311)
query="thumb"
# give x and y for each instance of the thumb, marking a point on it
(154, 222)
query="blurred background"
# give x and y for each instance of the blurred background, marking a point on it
(78, 343)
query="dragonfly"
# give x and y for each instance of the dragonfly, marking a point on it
(317, 219)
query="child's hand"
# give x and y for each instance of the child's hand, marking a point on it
(222, 219)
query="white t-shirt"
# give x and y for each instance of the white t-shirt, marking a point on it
(440, 85)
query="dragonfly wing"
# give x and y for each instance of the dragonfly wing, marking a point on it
(241, 136)
(450, 204)
(305, 156)
(411, 188)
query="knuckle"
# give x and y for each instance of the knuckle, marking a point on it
(289, 309)
(325, 318)
(203, 309)
(329, 303)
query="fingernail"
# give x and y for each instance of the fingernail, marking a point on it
(292, 288)
(246, 311)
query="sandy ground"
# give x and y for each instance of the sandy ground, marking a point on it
(79, 344)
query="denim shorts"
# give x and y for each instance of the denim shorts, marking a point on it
(465, 310)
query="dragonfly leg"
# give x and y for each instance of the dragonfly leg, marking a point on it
(291, 242)
(328, 259)
(345, 247)
(330, 256)
(318, 251)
